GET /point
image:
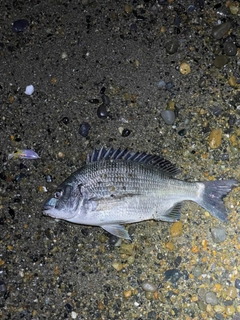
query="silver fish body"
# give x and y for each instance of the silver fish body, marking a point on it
(117, 187)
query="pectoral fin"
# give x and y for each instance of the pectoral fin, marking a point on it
(117, 230)
(172, 214)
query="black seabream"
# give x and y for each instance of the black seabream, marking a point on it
(117, 187)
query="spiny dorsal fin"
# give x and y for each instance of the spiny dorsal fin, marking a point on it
(139, 157)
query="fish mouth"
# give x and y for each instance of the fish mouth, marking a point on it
(49, 206)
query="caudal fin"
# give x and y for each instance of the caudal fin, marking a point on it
(212, 195)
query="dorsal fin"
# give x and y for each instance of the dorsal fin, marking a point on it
(139, 157)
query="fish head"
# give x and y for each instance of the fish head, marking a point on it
(64, 203)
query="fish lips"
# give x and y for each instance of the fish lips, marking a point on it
(49, 207)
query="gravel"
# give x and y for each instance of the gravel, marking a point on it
(77, 55)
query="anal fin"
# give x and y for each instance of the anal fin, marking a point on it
(117, 230)
(173, 214)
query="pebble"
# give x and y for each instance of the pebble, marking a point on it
(219, 31)
(232, 81)
(211, 298)
(161, 84)
(126, 248)
(220, 61)
(127, 8)
(48, 179)
(3, 287)
(230, 49)
(218, 234)
(117, 266)
(94, 101)
(218, 308)
(102, 111)
(185, 68)
(215, 138)
(29, 90)
(232, 292)
(182, 132)
(74, 315)
(237, 283)
(202, 82)
(234, 7)
(84, 129)
(173, 275)
(176, 229)
(197, 271)
(230, 310)
(125, 133)
(65, 120)
(172, 46)
(20, 25)
(105, 100)
(127, 293)
(149, 287)
(168, 116)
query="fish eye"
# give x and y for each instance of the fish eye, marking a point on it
(58, 194)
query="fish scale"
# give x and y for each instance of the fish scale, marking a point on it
(117, 187)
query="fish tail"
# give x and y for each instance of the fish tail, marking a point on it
(212, 195)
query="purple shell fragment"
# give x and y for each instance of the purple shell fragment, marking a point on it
(24, 154)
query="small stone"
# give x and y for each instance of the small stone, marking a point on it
(149, 295)
(220, 61)
(218, 308)
(232, 292)
(127, 293)
(232, 81)
(105, 100)
(60, 155)
(169, 246)
(211, 298)
(202, 82)
(65, 120)
(172, 46)
(182, 132)
(127, 8)
(117, 266)
(94, 101)
(20, 25)
(218, 234)
(74, 315)
(197, 271)
(215, 138)
(168, 116)
(230, 310)
(237, 283)
(185, 68)
(173, 275)
(149, 287)
(219, 31)
(176, 229)
(64, 55)
(125, 133)
(234, 8)
(84, 129)
(29, 90)
(102, 111)
(126, 248)
(230, 49)
(100, 305)
(3, 287)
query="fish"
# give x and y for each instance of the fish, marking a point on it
(117, 187)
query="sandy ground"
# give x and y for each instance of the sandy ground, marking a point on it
(72, 52)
